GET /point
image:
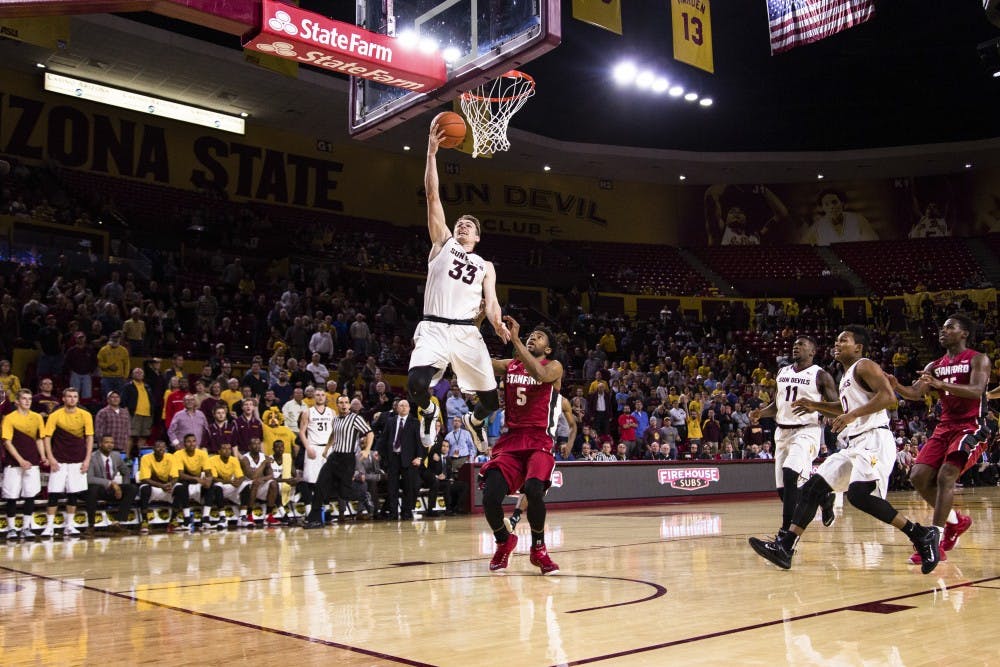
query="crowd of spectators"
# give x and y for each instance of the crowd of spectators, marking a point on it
(254, 333)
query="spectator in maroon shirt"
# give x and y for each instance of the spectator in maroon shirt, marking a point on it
(221, 429)
(249, 425)
(45, 402)
(81, 360)
(213, 400)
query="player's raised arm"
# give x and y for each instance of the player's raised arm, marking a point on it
(437, 225)
(550, 372)
(491, 305)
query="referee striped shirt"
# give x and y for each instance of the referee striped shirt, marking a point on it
(347, 433)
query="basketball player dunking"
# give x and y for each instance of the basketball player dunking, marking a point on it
(960, 378)
(457, 281)
(863, 464)
(799, 434)
(523, 455)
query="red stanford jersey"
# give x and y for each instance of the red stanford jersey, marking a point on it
(957, 370)
(529, 403)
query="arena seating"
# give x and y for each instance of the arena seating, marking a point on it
(886, 266)
(637, 268)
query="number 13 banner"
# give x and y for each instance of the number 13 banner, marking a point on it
(692, 27)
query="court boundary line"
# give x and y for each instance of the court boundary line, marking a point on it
(658, 589)
(231, 621)
(765, 624)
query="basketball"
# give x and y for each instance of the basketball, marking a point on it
(454, 128)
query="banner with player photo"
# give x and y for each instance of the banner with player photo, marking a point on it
(824, 213)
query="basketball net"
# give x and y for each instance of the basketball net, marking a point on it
(489, 108)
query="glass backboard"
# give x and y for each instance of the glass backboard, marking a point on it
(480, 40)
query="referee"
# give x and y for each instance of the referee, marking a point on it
(349, 433)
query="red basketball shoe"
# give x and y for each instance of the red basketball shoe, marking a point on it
(953, 531)
(540, 558)
(503, 552)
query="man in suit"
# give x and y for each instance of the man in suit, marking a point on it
(109, 478)
(401, 450)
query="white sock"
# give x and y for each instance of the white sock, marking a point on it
(67, 520)
(27, 521)
(941, 528)
(206, 514)
(50, 520)
(10, 523)
(187, 512)
(952, 517)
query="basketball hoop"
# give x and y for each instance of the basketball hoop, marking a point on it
(489, 108)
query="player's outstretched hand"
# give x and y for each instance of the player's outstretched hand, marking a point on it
(513, 327)
(502, 331)
(434, 139)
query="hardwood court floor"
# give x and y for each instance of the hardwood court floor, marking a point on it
(642, 585)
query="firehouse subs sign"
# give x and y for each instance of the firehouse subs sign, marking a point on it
(308, 38)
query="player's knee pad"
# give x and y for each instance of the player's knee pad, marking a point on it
(495, 488)
(534, 490)
(860, 495)
(418, 384)
(145, 491)
(489, 401)
(815, 490)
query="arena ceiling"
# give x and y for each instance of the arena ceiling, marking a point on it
(909, 83)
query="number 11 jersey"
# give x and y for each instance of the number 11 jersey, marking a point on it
(454, 283)
(792, 386)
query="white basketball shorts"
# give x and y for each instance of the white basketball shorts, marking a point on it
(868, 458)
(795, 449)
(461, 345)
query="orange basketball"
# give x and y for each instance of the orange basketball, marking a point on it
(454, 128)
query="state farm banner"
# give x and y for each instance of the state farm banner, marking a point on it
(295, 34)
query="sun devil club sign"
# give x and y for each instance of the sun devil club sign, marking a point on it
(312, 39)
(688, 479)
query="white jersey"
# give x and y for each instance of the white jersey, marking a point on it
(852, 394)
(454, 283)
(319, 426)
(254, 465)
(793, 385)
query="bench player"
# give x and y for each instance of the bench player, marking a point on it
(960, 378)
(457, 281)
(523, 455)
(799, 434)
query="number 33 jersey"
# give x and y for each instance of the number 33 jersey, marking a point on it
(792, 386)
(454, 283)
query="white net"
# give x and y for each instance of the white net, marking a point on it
(488, 110)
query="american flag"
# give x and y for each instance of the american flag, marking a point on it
(795, 22)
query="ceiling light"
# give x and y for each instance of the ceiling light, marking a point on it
(624, 73)
(645, 79)
(691, 97)
(682, 177)
(451, 54)
(819, 177)
(660, 85)
(705, 101)
(406, 148)
(996, 74)
(676, 91)
(244, 114)
(968, 165)
(427, 45)
(125, 99)
(546, 168)
(408, 39)
(40, 65)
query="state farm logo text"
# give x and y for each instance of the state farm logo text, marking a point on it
(688, 479)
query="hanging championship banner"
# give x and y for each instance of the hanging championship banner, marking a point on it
(692, 27)
(605, 14)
